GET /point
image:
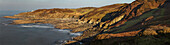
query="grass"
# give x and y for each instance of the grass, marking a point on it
(132, 22)
(161, 39)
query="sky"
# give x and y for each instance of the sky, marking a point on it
(41, 4)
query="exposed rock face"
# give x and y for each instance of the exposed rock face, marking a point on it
(134, 9)
(146, 37)
(150, 32)
(69, 42)
(145, 18)
(23, 21)
(153, 23)
(10, 17)
(154, 30)
(123, 14)
(124, 34)
(104, 22)
(149, 18)
(97, 14)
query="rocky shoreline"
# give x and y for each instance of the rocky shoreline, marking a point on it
(101, 23)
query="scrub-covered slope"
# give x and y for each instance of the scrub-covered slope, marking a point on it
(141, 17)
(151, 28)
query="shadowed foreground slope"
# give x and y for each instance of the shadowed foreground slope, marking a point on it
(151, 28)
(139, 18)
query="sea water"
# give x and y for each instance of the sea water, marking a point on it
(31, 34)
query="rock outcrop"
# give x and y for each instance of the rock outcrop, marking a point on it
(132, 10)
(117, 20)
(124, 34)
(154, 25)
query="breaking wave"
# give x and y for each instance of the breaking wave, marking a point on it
(68, 31)
(76, 34)
(36, 26)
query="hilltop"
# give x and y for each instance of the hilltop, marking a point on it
(134, 20)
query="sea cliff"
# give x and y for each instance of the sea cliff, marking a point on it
(139, 18)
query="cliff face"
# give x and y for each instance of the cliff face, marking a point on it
(123, 13)
(97, 14)
(151, 28)
(111, 22)
(118, 20)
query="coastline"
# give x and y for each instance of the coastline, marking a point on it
(25, 34)
(60, 28)
(98, 23)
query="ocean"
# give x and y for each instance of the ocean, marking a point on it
(30, 34)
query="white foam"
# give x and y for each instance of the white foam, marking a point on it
(76, 34)
(68, 31)
(36, 26)
(5, 24)
(60, 30)
(63, 30)
(60, 42)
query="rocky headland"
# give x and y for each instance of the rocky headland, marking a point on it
(137, 19)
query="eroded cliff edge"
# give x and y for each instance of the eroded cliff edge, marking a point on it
(117, 20)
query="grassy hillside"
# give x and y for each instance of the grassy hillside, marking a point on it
(139, 18)
(151, 28)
